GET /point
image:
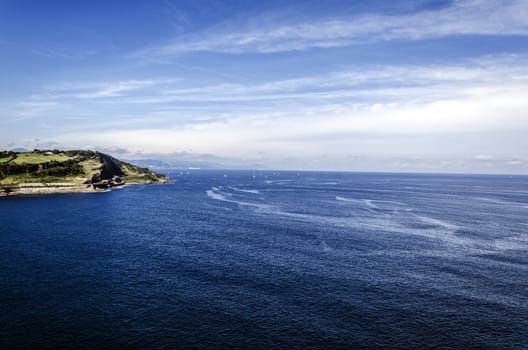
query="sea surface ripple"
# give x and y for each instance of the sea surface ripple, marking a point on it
(270, 260)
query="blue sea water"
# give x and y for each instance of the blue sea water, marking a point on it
(264, 260)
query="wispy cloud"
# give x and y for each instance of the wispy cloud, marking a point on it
(179, 19)
(334, 128)
(463, 17)
(353, 88)
(378, 84)
(28, 109)
(94, 90)
(372, 111)
(312, 106)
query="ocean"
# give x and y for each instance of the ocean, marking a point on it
(270, 260)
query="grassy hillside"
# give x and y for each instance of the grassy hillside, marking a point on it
(76, 169)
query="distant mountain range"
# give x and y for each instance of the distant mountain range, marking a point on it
(191, 161)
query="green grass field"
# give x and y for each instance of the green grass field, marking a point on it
(69, 167)
(37, 158)
(18, 179)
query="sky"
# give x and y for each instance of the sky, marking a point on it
(414, 85)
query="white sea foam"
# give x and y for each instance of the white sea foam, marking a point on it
(370, 203)
(396, 221)
(510, 244)
(436, 222)
(215, 193)
(503, 202)
(365, 202)
(391, 217)
(245, 190)
(388, 224)
(391, 202)
(269, 182)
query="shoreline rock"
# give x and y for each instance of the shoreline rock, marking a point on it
(28, 189)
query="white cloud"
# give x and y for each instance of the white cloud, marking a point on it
(464, 17)
(95, 89)
(410, 83)
(323, 128)
(392, 110)
(27, 109)
(382, 84)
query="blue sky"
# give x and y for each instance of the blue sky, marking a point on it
(338, 85)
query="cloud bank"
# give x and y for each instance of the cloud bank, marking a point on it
(263, 89)
(463, 17)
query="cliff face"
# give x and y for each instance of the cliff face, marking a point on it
(111, 167)
(67, 171)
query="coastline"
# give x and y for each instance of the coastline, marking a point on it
(28, 189)
(40, 172)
